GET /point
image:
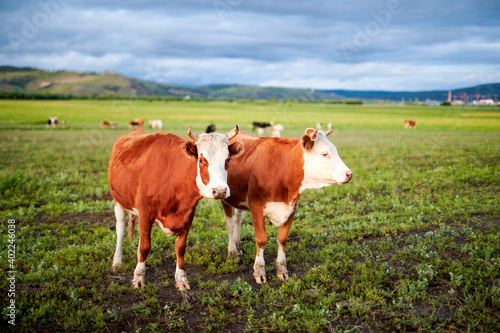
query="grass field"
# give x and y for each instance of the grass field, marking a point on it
(412, 243)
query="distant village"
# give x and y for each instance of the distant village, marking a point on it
(466, 99)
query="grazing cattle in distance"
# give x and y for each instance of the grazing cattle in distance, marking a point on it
(410, 124)
(109, 124)
(319, 125)
(277, 129)
(267, 179)
(210, 128)
(261, 127)
(329, 126)
(136, 122)
(156, 124)
(52, 122)
(160, 178)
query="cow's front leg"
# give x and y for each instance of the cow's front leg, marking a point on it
(259, 267)
(283, 231)
(181, 281)
(143, 251)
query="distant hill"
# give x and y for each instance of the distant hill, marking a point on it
(32, 80)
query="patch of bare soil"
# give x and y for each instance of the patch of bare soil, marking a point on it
(67, 80)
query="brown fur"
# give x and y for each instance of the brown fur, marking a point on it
(156, 175)
(151, 174)
(410, 124)
(268, 170)
(131, 226)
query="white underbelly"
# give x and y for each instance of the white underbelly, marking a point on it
(278, 212)
(166, 231)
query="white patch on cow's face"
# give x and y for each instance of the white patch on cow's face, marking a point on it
(322, 165)
(213, 149)
(278, 212)
(166, 231)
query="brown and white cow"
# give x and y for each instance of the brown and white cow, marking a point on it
(267, 179)
(136, 122)
(160, 178)
(410, 124)
(109, 124)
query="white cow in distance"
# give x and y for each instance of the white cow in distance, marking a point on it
(156, 124)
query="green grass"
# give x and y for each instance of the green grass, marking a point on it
(411, 243)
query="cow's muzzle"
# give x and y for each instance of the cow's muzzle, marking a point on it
(220, 192)
(348, 176)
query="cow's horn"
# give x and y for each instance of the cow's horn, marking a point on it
(313, 134)
(192, 135)
(232, 133)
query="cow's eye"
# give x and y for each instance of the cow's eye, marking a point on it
(227, 161)
(324, 154)
(200, 160)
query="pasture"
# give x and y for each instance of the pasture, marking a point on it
(412, 243)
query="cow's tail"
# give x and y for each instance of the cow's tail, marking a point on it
(131, 225)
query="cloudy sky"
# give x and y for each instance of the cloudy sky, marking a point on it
(358, 44)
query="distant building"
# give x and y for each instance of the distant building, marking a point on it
(487, 101)
(457, 102)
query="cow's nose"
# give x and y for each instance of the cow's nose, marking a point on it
(219, 192)
(349, 174)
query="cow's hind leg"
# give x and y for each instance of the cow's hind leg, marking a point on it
(229, 220)
(232, 231)
(145, 225)
(120, 234)
(238, 217)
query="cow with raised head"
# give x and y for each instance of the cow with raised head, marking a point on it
(160, 178)
(267, 179)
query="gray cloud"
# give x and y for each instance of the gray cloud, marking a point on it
(390, 44)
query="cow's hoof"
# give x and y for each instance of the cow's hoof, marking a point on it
(282, 276)
(260, 279)
(183, 286)
(116, 267)
(235, 252)
(137, 284)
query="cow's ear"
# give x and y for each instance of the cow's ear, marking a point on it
(306, 142)
(189, 148)
(235, 149)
